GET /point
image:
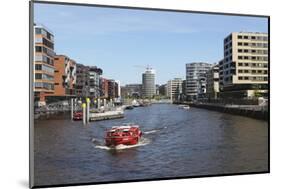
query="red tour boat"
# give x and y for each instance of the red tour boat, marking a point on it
(78, 116)
(126, 135)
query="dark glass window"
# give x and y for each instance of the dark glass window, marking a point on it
(38, 49)
(37, 31)
(38, 76)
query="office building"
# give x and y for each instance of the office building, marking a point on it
(148, 83)
(244, 71)
(131, 91)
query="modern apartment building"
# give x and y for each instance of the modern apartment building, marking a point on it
(82, 81)
(212, 88)
(148, 83)
(94, 82)
(104, 88)
(112, 89)
(196, 80)
(43, 63)
(174, 89)
(64, 77)
(244, 71)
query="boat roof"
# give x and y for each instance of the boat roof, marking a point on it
(123, 127)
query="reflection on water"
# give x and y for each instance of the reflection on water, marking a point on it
(176, 143)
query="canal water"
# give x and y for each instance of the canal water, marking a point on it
(176, 143)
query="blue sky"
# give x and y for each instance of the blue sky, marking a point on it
(123, 42)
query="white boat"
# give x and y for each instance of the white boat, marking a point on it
(187, 107)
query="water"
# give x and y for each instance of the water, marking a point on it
(176, 143)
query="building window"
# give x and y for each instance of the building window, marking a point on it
(246, 64)
(253, 37)
(38, 76)
(239, 37)
(240, 71)
(245, 37)
(239, 44)
(246, 71)
(240, 78)
(246, 50)
(240, 50)
(246, 44)
(240, 64)
(38, 67)
(240, 57)
(38, 49)
(246, 78)
(37, 31)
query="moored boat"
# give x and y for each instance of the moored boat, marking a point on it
(77, 116)
(126, 134)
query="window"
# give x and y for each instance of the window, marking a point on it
(239, 37)
(253, 37)
(246, 50)
(38, 67)
(246, 57)
(38, 49)
(240, 57)
(37, 31)
(246, 71)
(253, 51)
(254, 58)
(240, 78)
(240, 71)
(239, 50)
(240, 64)
(38, 76)
(254, 71)
(246, 64)
(246, 44)
(246, 78)
(265, 79)
(246, 37)
(239, 44)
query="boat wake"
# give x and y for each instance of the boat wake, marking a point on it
(142, 142)
(154, 130)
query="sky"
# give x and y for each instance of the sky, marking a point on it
(123, 42)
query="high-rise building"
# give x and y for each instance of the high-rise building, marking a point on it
(148, 83)
(112, 89)
(212, 88)
(174, 89)
(43, 63)
(65, 76)
(196, 80)
(244, 71)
